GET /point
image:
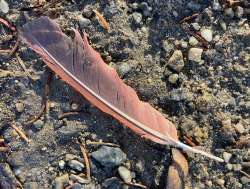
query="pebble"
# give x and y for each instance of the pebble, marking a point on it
(109, 156)
(74, 106)
(245, 180)
(146, 10)
(112, 183)
(38, 124)
(125, 174)
(220, 182)
(207, 34)
(223, 25)
(227, 156)
(229, 12)
(193, 41)
(216, 5)
(76, 165)
(194, 54)
(61, 181)
(87, 11)
(173, 78)
(137, 18)
(193, 6)
(239, 128)
(124, 68)
(69, 157)
(19, 107)
(239, 12)
(196, 26)
(4, 6)
(237, 167)
(176, 61)
(61, 164)
(83, 22)
(229, 166)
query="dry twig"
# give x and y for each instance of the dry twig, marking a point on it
(23, 66)
(189, 141)
(102, 143)
(189, 18)
(136, 185)
(102, 20)
(6, 73)
(244, 173)
(7, 24)
(86, 160)
(21, 133)
(66, 114)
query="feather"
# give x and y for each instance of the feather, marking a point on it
(79, 65)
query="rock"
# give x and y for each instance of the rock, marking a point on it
(239, 128)
(79, 179)
(61, 181)
(229, 12)
(125, 174)
(239, 12)
(66, 133)
(31, 185)
(19, 107)
(194, 54)
(237, 167)
(220, 182)
(229, 166)
(76, 165)
(69, 157)
(83, 22)
(207, 34)
(109, 156)
(4, 6)
(216, 5)
(61, 164)
(146, 10)
(137, 18)
(178, 94)
(223, 25)
(38, 124)
(193, 41)
(74, 106)
(196, 26)
(87, 11)
(245, 180)
(112, 183)
(176, 61)
(227, 156)
(173, 78)
(123, 68)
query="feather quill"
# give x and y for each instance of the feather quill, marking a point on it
(79, 65)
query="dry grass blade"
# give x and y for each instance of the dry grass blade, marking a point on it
(86, 160)
(244, 173)
(136, 185)
(7, 24)
(20, 61)
(102, 143)
(21, 133)
(102, 20)
(66, 114)
(36, 117)
(189, 18)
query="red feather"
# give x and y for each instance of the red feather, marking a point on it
(79, 65)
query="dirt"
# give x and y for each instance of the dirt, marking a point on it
(208, 101)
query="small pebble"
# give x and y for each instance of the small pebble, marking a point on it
(76, 165)
(61, 164)
(20, 107)
(227, 156)
(237, 167)
(38, 124)
(78, 179)
(125, 174)
(216, 5)
(87, 11)
(176, 61)
(196, 26)
(229, 12)
(194, 54)
(69, 157)
(245, 180)
(83, 22)
(223, 25)
(220, 182)
(207, 34)
(239, 128)
(193, 41)
(229, 166)
(74, 106)
(239, 12)
(173, 78)
(4, 6)
(137, 18)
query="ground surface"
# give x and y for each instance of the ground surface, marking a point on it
(208, 100)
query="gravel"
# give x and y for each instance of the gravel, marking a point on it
(194, 54)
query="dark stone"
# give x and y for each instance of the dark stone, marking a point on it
(112, 183)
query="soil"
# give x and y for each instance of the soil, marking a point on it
(208, 100)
